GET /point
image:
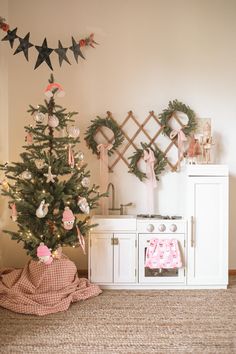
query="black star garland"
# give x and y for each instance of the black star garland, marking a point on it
(44, 54)
(44, 51)
(11, 36)
(76, 50)
(24, 46)
(61, 53)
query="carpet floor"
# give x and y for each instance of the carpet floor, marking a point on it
(166, 321)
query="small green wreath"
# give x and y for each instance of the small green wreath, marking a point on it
(159, 164)
(93, 129)
(176, 106)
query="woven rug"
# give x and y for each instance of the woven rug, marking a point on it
(166, 321)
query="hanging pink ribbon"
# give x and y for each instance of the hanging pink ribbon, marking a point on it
(103, 151)
(181, 139)
(81, 239)
(151, 181)
(71, 159)
(13, 212)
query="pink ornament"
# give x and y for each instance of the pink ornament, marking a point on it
(29, 138)
(68, 218)
(49, 90)
(44, 254)
(13, 212)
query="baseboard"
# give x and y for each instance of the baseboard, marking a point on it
(232, 271)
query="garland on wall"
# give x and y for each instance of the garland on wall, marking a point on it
(43, 50)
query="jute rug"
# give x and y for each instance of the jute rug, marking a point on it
(167, 321)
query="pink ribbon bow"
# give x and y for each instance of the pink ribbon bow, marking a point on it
(103, 151)
(181, 139)
(71, 159)
(151, 182)
(81, 239)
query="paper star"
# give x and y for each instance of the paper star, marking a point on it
(24, 46)
(76, 50)
(49, 175)
(11, 36)
(44, 54)
(62, 53)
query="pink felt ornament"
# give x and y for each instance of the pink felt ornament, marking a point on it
(54, 89)
(29, 138)
(68, 218)
(44, 254)
(13, 212)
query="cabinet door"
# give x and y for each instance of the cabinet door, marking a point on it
(208, 230)
(124, 258)
(101, 258)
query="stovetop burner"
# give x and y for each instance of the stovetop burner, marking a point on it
(160, 217)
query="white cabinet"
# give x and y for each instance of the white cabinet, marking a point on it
(207, 210)
(112, 253)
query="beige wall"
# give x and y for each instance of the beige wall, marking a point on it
(150, 52)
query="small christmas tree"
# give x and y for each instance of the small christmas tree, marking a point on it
(50, 189)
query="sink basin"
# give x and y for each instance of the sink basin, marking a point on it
(114, 216)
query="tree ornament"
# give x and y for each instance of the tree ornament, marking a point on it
(39, 164)
(44, 254)
(159, 164)
(42, 210)
(49, 175)
(54, 89)
(39, 117)
(53, 121)
(85, 182)
(174, 107)
(13, 212)
(68, 218)
(26, 175)
(29, 138)
(80, 239)
(73, 132)
(83, 205)
(80, 156)
(96, 125)
(71, 159)
(5, 185)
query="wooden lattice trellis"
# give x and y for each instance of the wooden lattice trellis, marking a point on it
(120, 152)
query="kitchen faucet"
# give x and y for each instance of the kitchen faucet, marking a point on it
(122, 206)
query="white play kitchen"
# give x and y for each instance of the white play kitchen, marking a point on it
(122, 247)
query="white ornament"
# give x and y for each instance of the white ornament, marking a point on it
(53, 121)
(42, 210)
(49, 175)
(83, 205)
(80, 156)
(39, 164)
(85, 182)
(39, 117)
(73, 132)
(26, 175)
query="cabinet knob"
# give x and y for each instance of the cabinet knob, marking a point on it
(173, 228)
(150, 227)
(161, 227)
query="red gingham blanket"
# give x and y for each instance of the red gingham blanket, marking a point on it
(41, 289)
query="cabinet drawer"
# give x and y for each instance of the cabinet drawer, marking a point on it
(114, 224)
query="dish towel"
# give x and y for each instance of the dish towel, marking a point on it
(163, 254)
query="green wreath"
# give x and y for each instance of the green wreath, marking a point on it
(159, 164)
(176, 106)
(92, 131)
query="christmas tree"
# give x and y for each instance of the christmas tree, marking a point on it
(49, 191)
